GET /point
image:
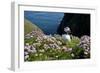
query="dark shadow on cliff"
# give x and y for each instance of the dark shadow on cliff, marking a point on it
(78, 23)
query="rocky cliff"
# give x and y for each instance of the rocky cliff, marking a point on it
(78, 23)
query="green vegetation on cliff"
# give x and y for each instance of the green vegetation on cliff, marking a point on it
(29, 27)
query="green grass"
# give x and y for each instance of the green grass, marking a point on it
(30, 41)
(73, 43)
(29, 27)
(50, 54)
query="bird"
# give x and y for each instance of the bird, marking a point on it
(67, 30)
(66, 36)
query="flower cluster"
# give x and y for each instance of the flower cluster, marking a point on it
(28, 49)
(85, 44)
(39, 46)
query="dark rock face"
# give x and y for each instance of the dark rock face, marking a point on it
(78, 23)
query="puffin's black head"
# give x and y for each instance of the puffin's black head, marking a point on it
(67, 30)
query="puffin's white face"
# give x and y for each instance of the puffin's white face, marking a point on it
(67, 29)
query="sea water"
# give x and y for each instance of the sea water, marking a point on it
(47, 21)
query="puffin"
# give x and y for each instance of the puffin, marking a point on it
(66, 36)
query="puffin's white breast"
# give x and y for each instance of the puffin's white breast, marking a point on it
(66, 37)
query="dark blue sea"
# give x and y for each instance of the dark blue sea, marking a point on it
(47, 21)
